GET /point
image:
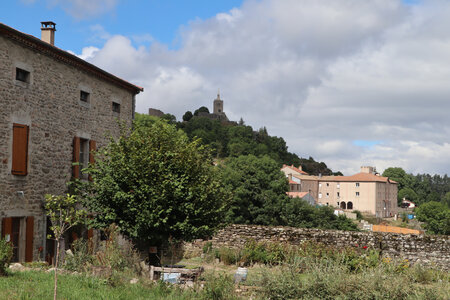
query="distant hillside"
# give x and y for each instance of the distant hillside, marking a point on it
(232, 139)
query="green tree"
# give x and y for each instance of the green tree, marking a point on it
(436, 217)
(259, 190)
(63, 214)
(408, 194)
(187, 116)
(299, 213)
(155, 184)
(446, 199)
(201, 109)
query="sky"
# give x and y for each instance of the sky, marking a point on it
(347, 82)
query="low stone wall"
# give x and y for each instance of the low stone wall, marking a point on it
(424, 249)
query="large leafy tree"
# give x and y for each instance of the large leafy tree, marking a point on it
(259, 190)
(436, 216)
(156, 184)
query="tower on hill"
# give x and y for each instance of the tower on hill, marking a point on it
(218, 105)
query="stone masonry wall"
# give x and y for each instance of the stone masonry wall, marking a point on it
(50, 105)
(424, 249)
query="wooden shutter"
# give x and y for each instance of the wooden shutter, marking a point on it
(6, 227)
(92, 149)
(20, 150)
(76, 157)
(29, 239)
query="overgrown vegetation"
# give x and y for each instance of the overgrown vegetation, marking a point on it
(155, 184)
(6, 253)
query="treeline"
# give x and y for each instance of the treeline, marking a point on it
(234, 139)
(255, 185)
(420, 188)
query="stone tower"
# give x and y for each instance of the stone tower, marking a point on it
(218, 105)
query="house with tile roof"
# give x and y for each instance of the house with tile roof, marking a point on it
(56, 108)
(366, 191)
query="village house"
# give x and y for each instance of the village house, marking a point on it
(366, 191)
(55, 109)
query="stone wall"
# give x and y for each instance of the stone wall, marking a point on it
(50, 105)
(424, 249)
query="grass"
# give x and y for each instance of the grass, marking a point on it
(39, 285)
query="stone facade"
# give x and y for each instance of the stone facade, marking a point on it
(49, 103)
(424, 249)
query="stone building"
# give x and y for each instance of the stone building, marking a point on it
(218, 113)
(55, 109)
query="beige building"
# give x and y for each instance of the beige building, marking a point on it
(55, 109)
(365, 191)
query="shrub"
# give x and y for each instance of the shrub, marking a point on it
(228, 256)
(218, 287)
(80, 259)
(6, 253)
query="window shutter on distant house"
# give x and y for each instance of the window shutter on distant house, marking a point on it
(76, 157)
(20, 150)
(29, 239)
(7, 228)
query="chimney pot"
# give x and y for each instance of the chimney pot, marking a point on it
(48, 29)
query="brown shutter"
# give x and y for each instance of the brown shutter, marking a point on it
(92, 149)
(6, 227)
(29, 239)
(20, 149)
(76, 157)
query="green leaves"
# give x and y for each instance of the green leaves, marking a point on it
(155, 183)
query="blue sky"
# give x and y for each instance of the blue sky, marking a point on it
(347, 82)
(160, 19)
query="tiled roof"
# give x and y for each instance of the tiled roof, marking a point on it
(36, 44)
(295, 169)
(297, 194)
(359, 177)
(293, 182)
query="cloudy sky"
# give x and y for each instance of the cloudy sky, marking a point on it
(347, 82)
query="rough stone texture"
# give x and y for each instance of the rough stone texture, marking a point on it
(424, 249)
(50, 105)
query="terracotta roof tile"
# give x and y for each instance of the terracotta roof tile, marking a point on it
(297, 194)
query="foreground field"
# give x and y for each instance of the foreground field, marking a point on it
(275, 271)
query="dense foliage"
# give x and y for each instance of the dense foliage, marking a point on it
(259, 190)
(420, 188)
(234, 139)
(436, 217)
(299, 213)
(6, 254)
(156, 184)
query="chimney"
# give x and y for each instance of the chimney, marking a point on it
(48, 29)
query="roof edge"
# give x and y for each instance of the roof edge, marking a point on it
(37, 44)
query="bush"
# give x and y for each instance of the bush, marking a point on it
(80, 259)
(218, 287)
(6, 253)
(228, 256)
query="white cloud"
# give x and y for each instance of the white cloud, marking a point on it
(321, 74)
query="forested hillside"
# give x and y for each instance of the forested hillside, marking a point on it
(234, 139)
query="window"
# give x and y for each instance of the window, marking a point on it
(357, 194)
(116, 107)
(338, 203)
(22, 75)
(320, 185)
(20, 150)
(338, 194)
(328, 194)
(349, 205)
(357, 184)
(320, 195)
(328, 184)
(84, 96)
(338, 185)
(82, 155)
